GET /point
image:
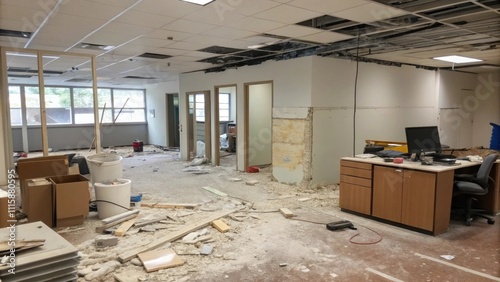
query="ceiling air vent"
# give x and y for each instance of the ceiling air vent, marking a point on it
(15, 33)
(92, 46)
(154, 56)
(139, 77)
(79, 80)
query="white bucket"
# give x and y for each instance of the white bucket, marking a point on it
(104, 167)
(110, 196)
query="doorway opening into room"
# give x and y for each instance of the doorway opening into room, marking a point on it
(172, 122)
(198, 125)
(225, 125)
(258, 124)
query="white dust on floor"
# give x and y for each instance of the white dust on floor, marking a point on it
(259, 235)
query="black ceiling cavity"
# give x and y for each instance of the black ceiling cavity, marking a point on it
(28, 70)
(222, 60)
(80, 80)
(286, 46)
(139, 77)
(254, 53)
(15, 33)
(154, 56)
(327, 22)
(220, 50)
(93, 46)
(20, 75)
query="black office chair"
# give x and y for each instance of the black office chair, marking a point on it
(471, 185)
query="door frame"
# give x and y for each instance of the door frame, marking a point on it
(246, 118)
(216, 122)
(208, 115)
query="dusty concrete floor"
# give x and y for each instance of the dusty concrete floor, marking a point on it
(262, 245)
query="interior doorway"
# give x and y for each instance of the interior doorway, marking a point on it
(258, 123)
(172, 122)
(198, 125)
(225, 125)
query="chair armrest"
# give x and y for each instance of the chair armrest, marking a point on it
(464, 177)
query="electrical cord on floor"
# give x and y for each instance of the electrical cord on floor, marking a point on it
(109, 202)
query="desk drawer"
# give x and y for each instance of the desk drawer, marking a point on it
(355, 164)
(355, 198)
(366, 182)
(356, 172)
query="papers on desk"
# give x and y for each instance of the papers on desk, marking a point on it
(365, 156)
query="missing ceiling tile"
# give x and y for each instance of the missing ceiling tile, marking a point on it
(154, 56)
(15, 33)
(220, 50)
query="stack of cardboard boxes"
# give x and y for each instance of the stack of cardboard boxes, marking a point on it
(50, 194)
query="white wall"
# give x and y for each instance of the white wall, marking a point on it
(156, 99)
(388, 100)
(291, 80)
(260, 124)
(487, 92)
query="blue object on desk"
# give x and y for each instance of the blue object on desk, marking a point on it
(495, 137)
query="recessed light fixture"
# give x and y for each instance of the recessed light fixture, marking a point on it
(199, 2)
(457, 59)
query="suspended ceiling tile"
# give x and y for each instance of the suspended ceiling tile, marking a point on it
(45, 5)
(256, 25)
(246, 8)
(239, 44)
(170, 51)
(198, 54)
(15, 25)
(108, 38)
(182, 25)
(327, 7)
(74, 23)
(151, 42)
(230, 33)
(294, 31)
(89, 9)
(371, 12)
(186, 46)
(165, 34)
(125, 28)
(206, 40)
(287, 14)
(170, 8)
(325, 37)
(120, 3)
(213, 17)
(185, 58)
(144, 19)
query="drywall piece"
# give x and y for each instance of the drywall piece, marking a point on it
(190, 237)
(156, 260)
(233, 179)
(147, 222)
(124, 227)
(102, 228)
(251, 182)
(119, 216)
(206, 249)
(174, 235)
(106, 268)
(215, 191)
(105, 241)
(220, 225)
(304, 199)
(286, 213)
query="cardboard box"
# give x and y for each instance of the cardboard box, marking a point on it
(74, 169)
(71, 198)
(38, 201)
(31, 168)
(4, 209)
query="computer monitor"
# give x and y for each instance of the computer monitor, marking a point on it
(423, 139)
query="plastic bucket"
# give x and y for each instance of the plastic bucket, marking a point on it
(495, 137)
(104, 167)
(112, 198)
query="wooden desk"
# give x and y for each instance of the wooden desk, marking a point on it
(411, 194)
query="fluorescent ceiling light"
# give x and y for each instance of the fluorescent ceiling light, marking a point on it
(457, 59)
(199, 2)
(31, 55)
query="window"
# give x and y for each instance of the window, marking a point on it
(224, 100)
(58, 105)
(15, 105)
(199, 101)
(128, 105)
(75, 105)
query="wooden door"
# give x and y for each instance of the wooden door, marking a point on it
(418, 199)
(387, 193)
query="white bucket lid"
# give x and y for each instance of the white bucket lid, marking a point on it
(104, 158)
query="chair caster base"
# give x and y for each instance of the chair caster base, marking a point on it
(491, 221)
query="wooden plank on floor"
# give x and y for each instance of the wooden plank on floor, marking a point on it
(126, 256)
(124, 227)
(100, 229)
(215, 191)
(286, 212)
(119, 216)
(220, 225)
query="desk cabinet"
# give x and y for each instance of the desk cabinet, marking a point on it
(355, 186)
(404, 196)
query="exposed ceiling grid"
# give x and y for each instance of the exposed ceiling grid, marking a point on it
(390, 32)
